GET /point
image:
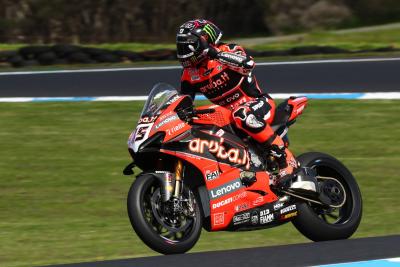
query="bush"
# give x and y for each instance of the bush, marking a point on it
(79, 57)
(325, 14)
(108, 58)
(31, 52)
(159, 54)
(4, 55)
(293, 15)
(47, 58)
(64, 50)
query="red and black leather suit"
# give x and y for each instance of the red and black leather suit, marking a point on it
(226, 79)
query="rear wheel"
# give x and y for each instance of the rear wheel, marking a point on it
(166, 227)
(320, 223)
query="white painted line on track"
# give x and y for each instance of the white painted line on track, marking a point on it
(16, 99)
(174, 67)
(389, 95)
(353, 60)
(121, 98)
(321, 96)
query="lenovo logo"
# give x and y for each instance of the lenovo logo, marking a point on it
(225, 189)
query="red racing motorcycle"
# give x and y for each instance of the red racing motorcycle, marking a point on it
(198, 171)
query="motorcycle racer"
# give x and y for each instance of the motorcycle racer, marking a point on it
(223, 73)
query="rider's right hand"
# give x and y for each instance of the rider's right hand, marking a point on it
(186, 114)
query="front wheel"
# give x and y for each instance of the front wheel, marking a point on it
(320, 223)
(167, 227)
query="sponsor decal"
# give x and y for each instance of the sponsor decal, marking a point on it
(264, 212)
(219, 218)
(229, 200)
(257, 106)
(194, 74)
(219, 67)
(218, 149)
(207, 72)
(287, 209)
(211, 32)
(188, 25)
(258, 201)
(195, 77)
(254, 218)
(241, 207)
(162, 117)
(176, 128)
(225, 189)
(212, 175)
(230, 98)
(289, 215)
(234, 57)
(216, 83)
(172, 100)
(220, 133)
(278, 205)
(147, 119)
(241, 218)
(167, 120)
(267, 218)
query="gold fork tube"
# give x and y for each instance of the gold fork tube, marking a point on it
(178, 178)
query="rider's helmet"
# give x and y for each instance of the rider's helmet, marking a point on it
(189, 51)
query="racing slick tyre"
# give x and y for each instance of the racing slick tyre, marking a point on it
(320, 223)
(155, 224)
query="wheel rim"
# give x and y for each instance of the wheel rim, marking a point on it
(333, 216)
(172, 228)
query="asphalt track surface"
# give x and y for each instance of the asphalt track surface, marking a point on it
(288, 255)
(379, 75)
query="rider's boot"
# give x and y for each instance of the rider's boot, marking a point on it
(291, 176)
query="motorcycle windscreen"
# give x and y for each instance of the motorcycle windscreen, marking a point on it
(158, 99)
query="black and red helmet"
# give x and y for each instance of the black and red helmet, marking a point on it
(188, 42)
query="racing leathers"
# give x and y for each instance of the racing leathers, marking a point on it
(226, 79)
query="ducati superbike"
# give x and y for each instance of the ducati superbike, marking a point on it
(200, 172)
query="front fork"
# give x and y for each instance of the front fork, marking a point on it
(171, 182)
(178, 178)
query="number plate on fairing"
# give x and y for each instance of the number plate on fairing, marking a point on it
(139, 136)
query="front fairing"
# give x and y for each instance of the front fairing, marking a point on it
(159, 117)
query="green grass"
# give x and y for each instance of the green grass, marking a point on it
(351, 41)
(63, 197)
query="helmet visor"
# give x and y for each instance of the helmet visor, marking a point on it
(186, 44)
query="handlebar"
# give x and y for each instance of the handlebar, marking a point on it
(188, 114)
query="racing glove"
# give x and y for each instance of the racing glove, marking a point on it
(241, 62)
